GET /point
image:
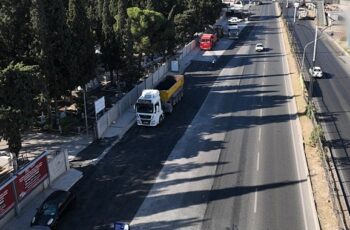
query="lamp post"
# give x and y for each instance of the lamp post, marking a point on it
(85, 111)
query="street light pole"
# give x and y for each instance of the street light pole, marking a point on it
(295, 12)
(302, 62)
(315, 47)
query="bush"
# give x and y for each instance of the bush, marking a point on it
(316, 134)
(310, 109)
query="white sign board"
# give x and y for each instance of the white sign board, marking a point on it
(100, 105)
(175, 66)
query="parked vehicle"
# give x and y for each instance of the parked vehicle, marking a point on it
(316, 72)
(49, 213)
(259, 47)
(154, 103)
(207, 41)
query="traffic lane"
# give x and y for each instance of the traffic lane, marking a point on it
(220, 212)
(118, 184)
(228, 195)
(277, 165)
(177, 202)
(277, 157)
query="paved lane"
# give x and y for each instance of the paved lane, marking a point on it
(259, 180)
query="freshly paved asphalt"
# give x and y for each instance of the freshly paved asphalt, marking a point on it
(331, 94)
(258, 180)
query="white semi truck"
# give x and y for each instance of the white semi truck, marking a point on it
(152, 105)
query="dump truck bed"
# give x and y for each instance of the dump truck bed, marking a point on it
(169, 86)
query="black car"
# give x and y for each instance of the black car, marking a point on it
(52, 208)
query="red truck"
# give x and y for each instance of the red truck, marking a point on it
(207, 41)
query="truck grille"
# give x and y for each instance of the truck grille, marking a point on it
(145, 116)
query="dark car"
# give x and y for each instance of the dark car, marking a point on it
(52, 209)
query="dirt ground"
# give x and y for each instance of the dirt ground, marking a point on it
(324, 206)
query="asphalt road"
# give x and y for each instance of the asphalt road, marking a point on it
(331, 95)
(227, 158)
(260, 179)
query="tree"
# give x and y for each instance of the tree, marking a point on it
(14, 31)
(109, 43)
(54, 45)
(17, 84)
(82, 50)
(145, 27)
(185, 25)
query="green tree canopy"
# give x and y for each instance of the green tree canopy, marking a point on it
(18, 89)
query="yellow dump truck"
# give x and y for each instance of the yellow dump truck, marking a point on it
(152, 105)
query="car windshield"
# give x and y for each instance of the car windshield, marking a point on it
(144, 108)
(259, 45)
(49, 209)
(317, 69)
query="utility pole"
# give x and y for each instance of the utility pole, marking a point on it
(315, 44)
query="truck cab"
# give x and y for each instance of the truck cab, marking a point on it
(207, 41)
(148, 108)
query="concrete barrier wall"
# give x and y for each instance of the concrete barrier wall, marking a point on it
(58, 165)
(102, 125)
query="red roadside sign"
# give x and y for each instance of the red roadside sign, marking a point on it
(31, 176)
(7, 199)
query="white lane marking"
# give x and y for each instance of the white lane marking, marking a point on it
(255, 200)
(258, 164)
(291, 126)
(259, 137)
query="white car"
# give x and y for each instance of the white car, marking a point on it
(234, 20)
(316, 71)
(259, 47)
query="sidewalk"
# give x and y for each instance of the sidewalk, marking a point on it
(33, 144)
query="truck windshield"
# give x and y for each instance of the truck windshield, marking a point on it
(144, 108)
(205, 40)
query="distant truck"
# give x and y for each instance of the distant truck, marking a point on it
(207, 41)
(152, 105)
(233, 32)
(302, 13)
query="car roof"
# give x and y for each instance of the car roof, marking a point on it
(57, 196)
(259, 44)
(204, 36)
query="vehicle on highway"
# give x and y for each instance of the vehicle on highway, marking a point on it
(233, 32)
(316, 71)
(152, 105)
(50, 211)
(234, 20)
(259, 47)
(302, 13)
(121, 226)
(207, 41)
